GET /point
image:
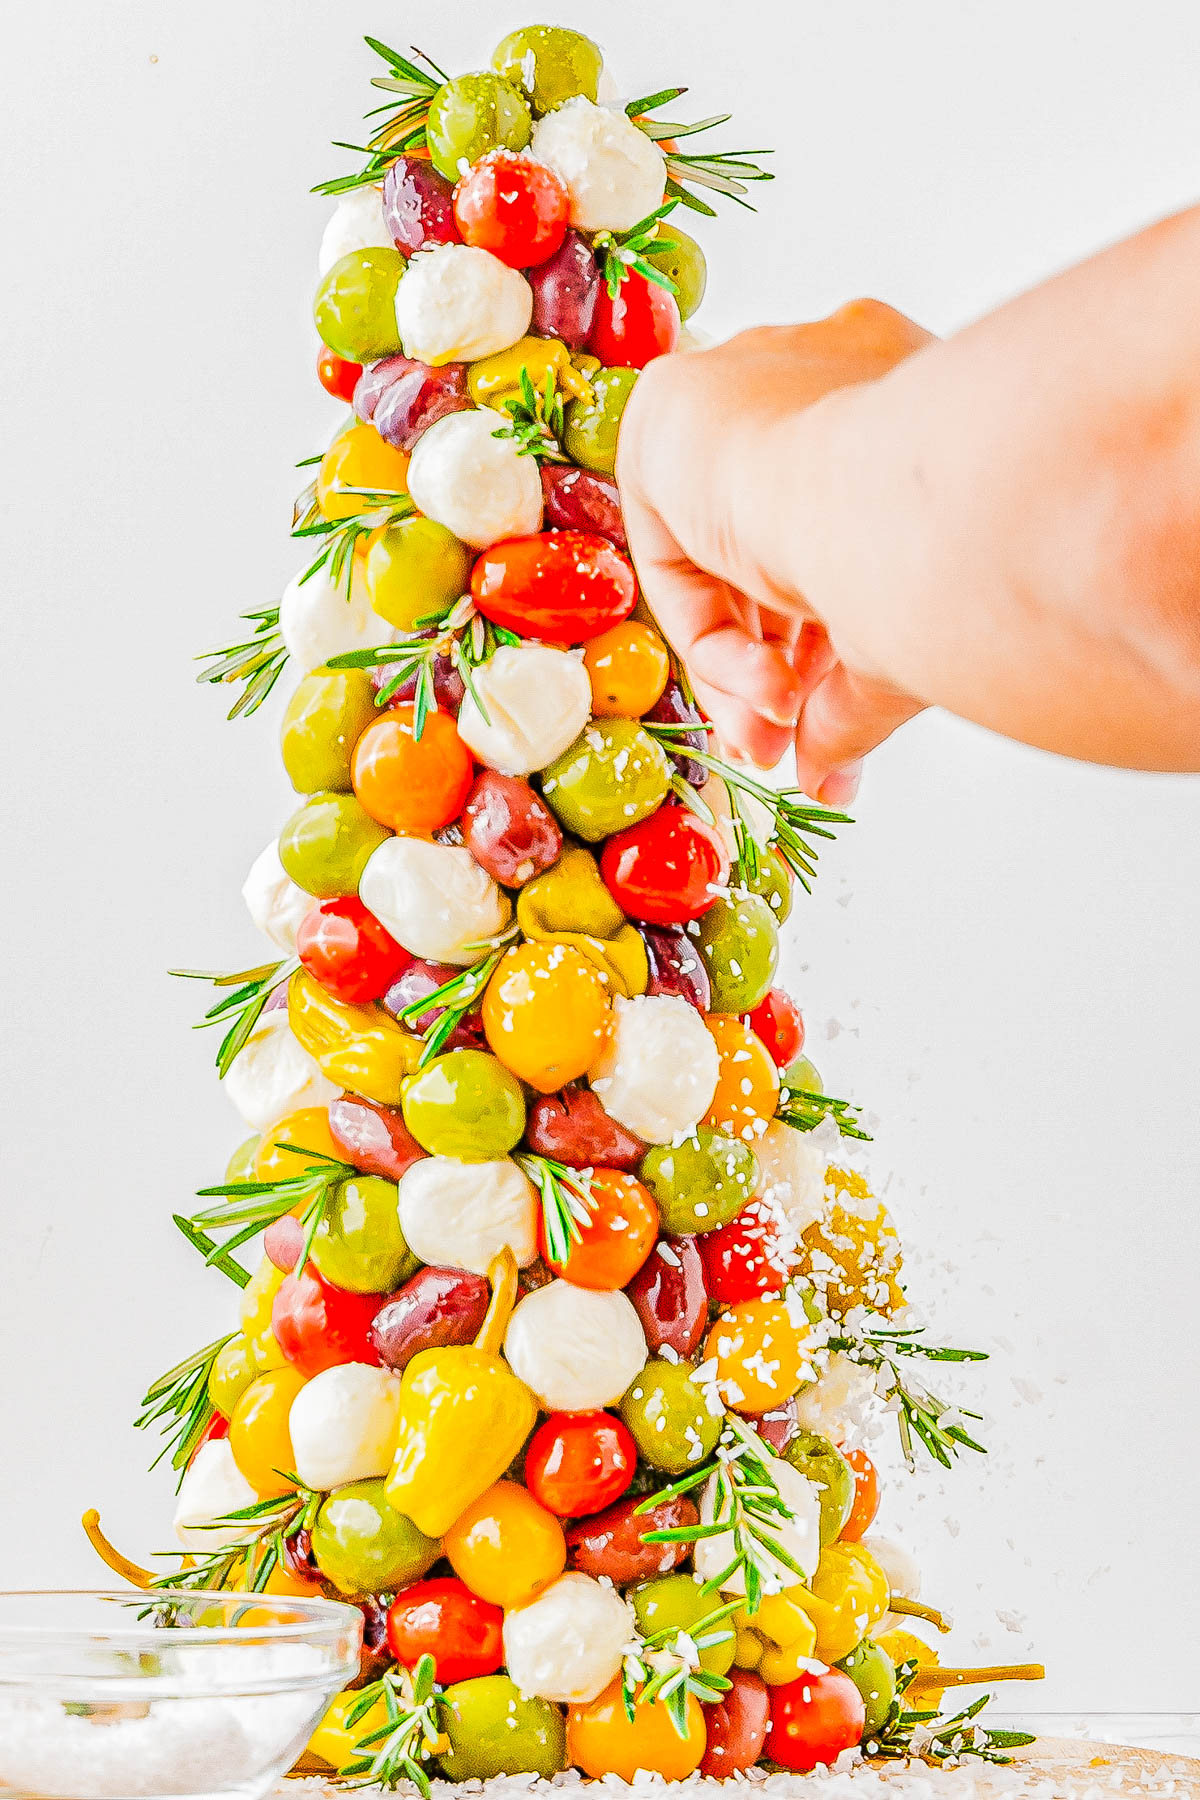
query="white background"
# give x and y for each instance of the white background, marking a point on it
(1001, 960)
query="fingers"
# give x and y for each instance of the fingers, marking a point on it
(844, 717)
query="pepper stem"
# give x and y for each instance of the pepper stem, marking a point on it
(120, 1565)
(935, 1679)
(502, 1273)
(914, 1609)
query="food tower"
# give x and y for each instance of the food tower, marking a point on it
(571, 1319)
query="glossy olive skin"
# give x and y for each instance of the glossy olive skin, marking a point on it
(232, 1372)
(739, 946)
(774, 882)
(364, 1546)
(434, 1307)
(573, 1128)
(327, 843)
(874, 1675)
(359, 1245)
(414, 567)
(580, 500)
(591, 426)
(825, 1466)
(679, 1602)
(325, 717)
(803, 1075)
(672, 709)
(465, 1104)
(609, 1544)
(670, 1298)
(494, 1729)
(675, 965)
(777, 1427)
(684, 264)
(373, 1137)
(612, 775)
(667, 1417)
(471, 115)
(736, 1726)
(701, 1183)
(355, 306)
(509, 829)
(550, 64)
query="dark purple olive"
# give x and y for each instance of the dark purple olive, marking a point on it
(672, 709)
(376, 1656)
(448, 686)
(573, 1128)
(436, 1307)
(566, 288)
(418, 205)
(670, 1298)
(675, 965)
(777, 1427)
(298, 1558)
(608, 1545)
(578, 500)
(509, 829)
(418, 980)
(374, 1138)
(283, 1241)
(402, 398)
(277, 998)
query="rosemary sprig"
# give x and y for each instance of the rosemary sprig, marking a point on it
(624, 251)
(722, 171)
(536, 421)
(804, 1110)
(260, 1546)
(666, 1667)
(920, 1415)
(457, 997)
(213, 1254)
(460, 633)
(248, 1207)
(241, 1008)
(179, 1405)
(403, 128)
(398, 1749)
(567, 1201)
(795, 821)
(938, 1738)
(382, 506)
(257, 662)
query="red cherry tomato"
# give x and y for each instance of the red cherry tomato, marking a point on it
(813, 1719)
(737, 1725)
(577, 1463)
(217, 1427)
(866, 1496)
(612, 1248)
(745, 1259)
(565, 586)
(347, 950)
(442, 1618)
(512, 206)
(337, 376)
(777, 1020)
(640, 324)
(317, 1325)
(664, 870)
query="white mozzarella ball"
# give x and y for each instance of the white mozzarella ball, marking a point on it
(839, 1405)
(568, 1644)
(356, 223)
(459, 1215)
(456, 303)
(576, 1348)
(477, 485)
(791, 1173)
(273, 900)
(800, 1535)
(212, 1488)
(433, 898)
(657, 1071)
(614, 174)
(343, 1425)
(537, 701)
(273, 1074)
(317, 620)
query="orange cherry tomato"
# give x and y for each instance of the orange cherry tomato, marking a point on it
(623, 1229)
(866, 1496)
(545, 1013)
(628, 668)
(258, 1431)
(747, 1090)
(506, 1546)
(308, 1129)
(761, 1354)
(410, 783)
(601, 1740)
(358, 458)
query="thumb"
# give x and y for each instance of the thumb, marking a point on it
(845, 716)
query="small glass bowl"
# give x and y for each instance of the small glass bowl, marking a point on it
(132, 1696)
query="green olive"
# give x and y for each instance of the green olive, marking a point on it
(355, 307)
(495, 1729)
(325, 717)
(739, 946)
(591, 426)
(234, 1368)
(679, 1602)
(413, 568)
(359, 1245)
(240, 1166)
(775, 882)
(874, 1675)
(465, 1104)
(803, 1075)
(364, 1546)
(471, 115)
(549, 63)
(683, 264)
(668, 1418)
(327, 843)
(701, 1183)
(613, 775)
(825, 1466)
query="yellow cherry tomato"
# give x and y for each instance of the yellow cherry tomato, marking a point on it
(601, 1740)
(846, 1597)
(334, 1741)
(506, 1546)
(308, 1129)
(747, 1648)
(761, 1354)
(258, 1298)
(497, 378)
(545, 1014)
(258, 1431)
(232, 1372)
(858, 1235)
(628, 668)
(747, 1090)
(358, 458)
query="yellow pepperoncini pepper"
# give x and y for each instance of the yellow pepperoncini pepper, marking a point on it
(747, 1648)
(846, 1597)
(906, 1646)
(570, 904)
(785, 1632)
(464, 1415)
(495, 379)
(258, 1298)
(360, 1047)
(858, 1235)
(334, 1741)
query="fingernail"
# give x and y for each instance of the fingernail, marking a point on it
(783, 716)
(839, 789)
